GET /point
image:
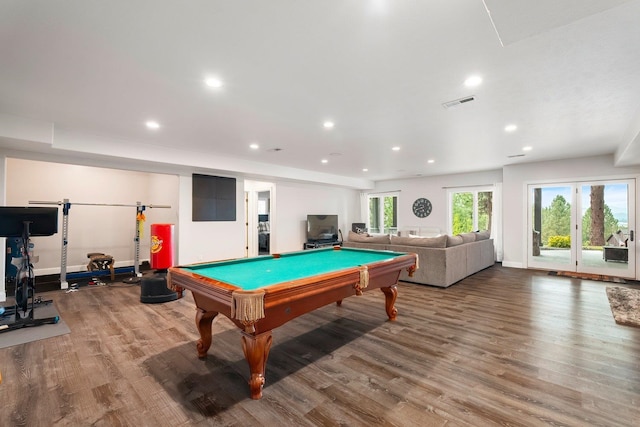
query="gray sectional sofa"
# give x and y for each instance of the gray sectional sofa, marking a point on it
(443, 260)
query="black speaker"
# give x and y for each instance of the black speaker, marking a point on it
(153, 289)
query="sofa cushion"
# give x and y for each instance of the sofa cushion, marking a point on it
(367, 238)
(483, 235)
(468, 237)
(454, 241)
(426, 242)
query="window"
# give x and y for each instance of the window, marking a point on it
(470, 210)
(383, 213)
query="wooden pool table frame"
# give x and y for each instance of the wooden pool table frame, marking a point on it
(284, 302)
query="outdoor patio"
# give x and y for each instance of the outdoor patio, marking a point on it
(590, 258)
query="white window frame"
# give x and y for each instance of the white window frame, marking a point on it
(475, 191)
(381, 197)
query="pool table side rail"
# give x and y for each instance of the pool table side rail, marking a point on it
(219, 295)
(184, 277)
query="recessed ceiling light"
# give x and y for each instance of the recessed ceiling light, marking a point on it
(152, 125)
(395, 148)
(328, 124)
(324, 161)
(510, 128)
(430, 161)
(365, 170)
(473, 81)
(527, 148)
(214, 82)
(254, 146)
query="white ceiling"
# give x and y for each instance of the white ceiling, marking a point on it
(80, 79)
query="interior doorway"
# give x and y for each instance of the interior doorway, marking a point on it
(264, 225)
(585, 227)
(260, 217)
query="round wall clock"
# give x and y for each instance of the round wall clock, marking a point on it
(422, 207)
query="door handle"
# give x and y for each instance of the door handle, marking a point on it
(631, 235)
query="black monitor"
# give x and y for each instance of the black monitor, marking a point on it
(322, 228)
(42, 221)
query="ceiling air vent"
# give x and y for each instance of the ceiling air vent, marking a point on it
(515, 155)
(460, 101)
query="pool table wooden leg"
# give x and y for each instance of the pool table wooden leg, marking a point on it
(256, 350)
(203, 323)
(390, 295)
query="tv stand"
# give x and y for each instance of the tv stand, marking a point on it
(316, 245)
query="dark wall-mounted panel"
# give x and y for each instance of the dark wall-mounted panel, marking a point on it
(213, 198)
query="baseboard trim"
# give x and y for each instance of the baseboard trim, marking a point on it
(512, 264)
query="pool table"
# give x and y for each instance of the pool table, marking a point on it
(259, 294)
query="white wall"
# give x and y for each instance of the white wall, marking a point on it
(290, 204)
(162, 190)
(294, 201)
(107, 229)
(516, 179)
(433, 188)
(209, 240)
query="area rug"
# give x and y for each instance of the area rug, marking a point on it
(625, 305)
(587, 276)
(34, 333)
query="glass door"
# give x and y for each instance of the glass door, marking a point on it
(606, 228)
(585, 227)
(551, 222)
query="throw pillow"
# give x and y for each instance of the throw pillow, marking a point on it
(367, 238)
(483, 235)
(454, 241)
(381, 238)
(427, 242)
(357, 237)
(468, 237)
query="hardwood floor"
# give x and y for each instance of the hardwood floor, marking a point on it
(503, 347)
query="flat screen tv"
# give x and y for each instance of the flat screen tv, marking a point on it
(42, 221)
(322, 228)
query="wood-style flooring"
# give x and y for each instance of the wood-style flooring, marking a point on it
(504, 347)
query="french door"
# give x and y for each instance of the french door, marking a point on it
(586, 227)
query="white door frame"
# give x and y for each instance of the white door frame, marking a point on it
(252, 188)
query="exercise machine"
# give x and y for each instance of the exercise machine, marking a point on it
(66, 207)
(26, 222)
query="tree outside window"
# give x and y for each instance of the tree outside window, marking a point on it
(383, 214)
(470, 211)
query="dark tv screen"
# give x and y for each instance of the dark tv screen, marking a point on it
(42, 221)
(214, 198)
(322, 228)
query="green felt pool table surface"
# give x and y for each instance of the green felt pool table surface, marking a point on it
(260, 272)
